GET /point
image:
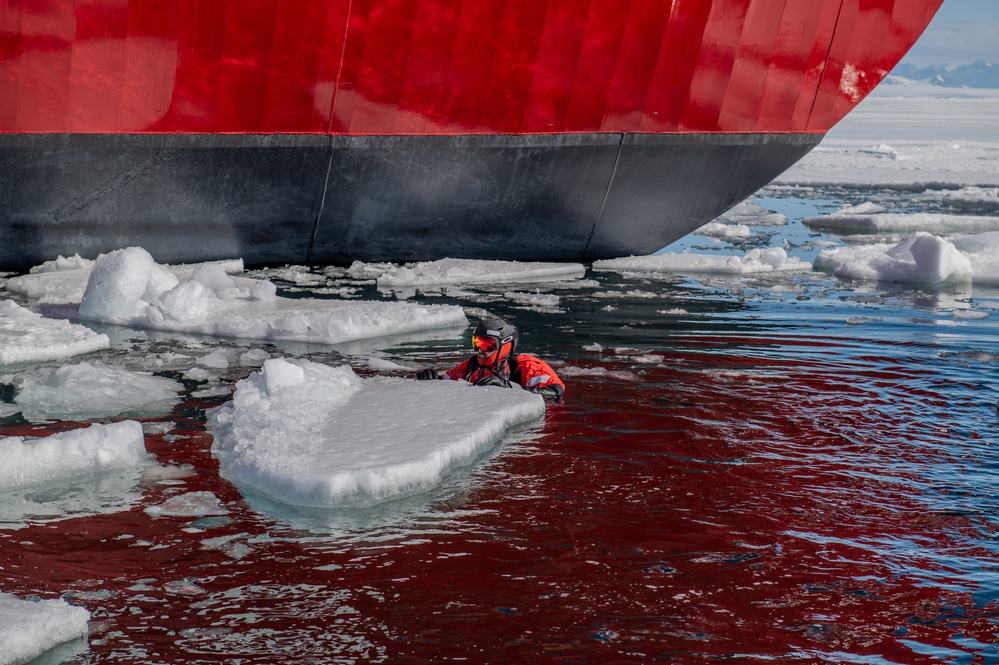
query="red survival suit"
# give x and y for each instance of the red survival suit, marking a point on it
(528, 371)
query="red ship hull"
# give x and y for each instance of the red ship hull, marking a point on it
(331, 131)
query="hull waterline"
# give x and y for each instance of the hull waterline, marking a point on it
(322, 200)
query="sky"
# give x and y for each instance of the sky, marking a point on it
(962, 32)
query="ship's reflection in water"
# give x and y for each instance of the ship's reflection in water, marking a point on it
(785, 469)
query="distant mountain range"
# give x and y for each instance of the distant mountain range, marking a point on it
(979, 74)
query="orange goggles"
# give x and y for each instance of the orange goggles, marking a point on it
(483, 344)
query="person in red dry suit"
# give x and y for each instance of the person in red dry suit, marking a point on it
(494, 363)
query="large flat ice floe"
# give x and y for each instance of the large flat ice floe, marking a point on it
(307, 434)
(29, 337)
(30, 628)
(127, 287)
(467, 271)
(771, 260)
(72, 454)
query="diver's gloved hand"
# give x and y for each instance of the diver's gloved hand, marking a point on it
(425, 374)
(492, 380)
(553, 392)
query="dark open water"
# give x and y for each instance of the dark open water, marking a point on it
(790, 469)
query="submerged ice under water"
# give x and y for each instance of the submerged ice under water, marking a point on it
(780, 449)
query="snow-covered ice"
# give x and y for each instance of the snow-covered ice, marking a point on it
(64, 280)
(53, 286)
(90, 390)
(922, 258)
(938, 248)
(873, 222)
(981, 197)
(749, 214)
(466, 271)
(63, 263)
(721, 230)
(126, 287)
(26, 336)
(905, 134)
(65, 455)
(773, 259)
(29, 628)
(307, 434)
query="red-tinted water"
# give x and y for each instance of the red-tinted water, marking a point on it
(725, 493)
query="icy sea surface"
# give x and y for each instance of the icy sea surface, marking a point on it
(788, 466)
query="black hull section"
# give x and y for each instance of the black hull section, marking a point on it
(310, 199)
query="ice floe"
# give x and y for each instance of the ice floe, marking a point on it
(90, 390)
(190, 504)
(29, 628)
(750, 214)
(774, 259)
(306, 434)
(722, 230)
(468, 271)
(26, 336)
(870, 220)
(65, 455)
(127, 287)
(102, 493)
(63, 263)
(922, 258)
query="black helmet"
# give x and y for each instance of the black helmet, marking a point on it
(504, 333)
